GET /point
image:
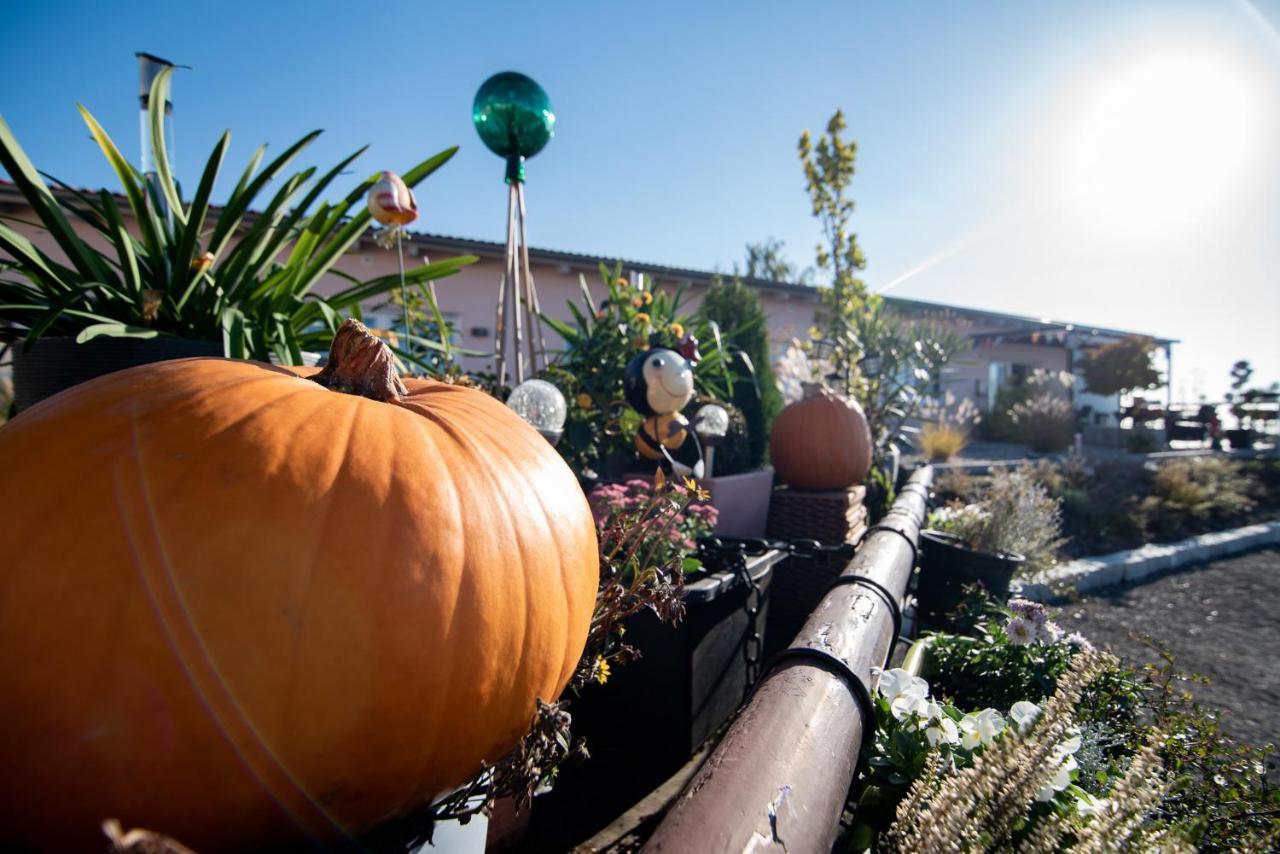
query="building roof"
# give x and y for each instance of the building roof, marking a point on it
(585, 262)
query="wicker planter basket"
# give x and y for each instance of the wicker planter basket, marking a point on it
(830, 518)
(799, 582)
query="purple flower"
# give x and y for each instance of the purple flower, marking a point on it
(1031, 611)
(1080, 642)
(1020, 631)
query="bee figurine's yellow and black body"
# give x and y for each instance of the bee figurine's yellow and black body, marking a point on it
(658, 383)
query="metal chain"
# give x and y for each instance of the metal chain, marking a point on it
(730, 554)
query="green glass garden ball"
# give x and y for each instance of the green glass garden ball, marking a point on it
(513, 115)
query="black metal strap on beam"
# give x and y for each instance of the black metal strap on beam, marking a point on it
(861, 694)
(894, 608)
(880, 526)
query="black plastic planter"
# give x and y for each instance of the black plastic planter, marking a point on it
(1240, 439)
(654, 713)
(947, 567)
(54, 364)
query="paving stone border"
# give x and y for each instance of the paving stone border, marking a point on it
(1091, 573)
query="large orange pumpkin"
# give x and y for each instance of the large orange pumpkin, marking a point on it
(244, 609)
(821, 442)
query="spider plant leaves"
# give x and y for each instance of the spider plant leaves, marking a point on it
(242, 272)
(24, 174)
(115, 330)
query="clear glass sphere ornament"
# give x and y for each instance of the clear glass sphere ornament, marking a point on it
(541, 405)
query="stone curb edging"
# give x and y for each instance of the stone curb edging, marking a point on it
(1091, 573)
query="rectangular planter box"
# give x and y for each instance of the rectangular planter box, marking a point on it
(690, 678)
(742, 501)
(654, 713)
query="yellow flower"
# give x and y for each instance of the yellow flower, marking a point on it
(648, 297)
(696, 491)
(641, 319)
(659, 480)
(815, 333)
(602, 670)
(623, 282)
(637, 302)
(584, 400)
(677, 330)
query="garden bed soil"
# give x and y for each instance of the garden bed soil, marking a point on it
(1218, 619)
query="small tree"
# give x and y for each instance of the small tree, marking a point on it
(1121, 366)
(829, 167)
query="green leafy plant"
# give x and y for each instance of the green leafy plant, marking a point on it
(599, 342)
(1197, 493)
(178, 270)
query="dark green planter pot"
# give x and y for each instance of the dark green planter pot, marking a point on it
(55, 364)
(947, 567)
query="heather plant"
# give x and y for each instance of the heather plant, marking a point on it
(672, 516)
(1152, 766)
(918, 737)
(1012, 785)
(1016, 515)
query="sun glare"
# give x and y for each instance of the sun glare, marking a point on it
(1162, 137)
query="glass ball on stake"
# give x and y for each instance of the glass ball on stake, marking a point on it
(711, 423)
(515, 120)
(542, 406)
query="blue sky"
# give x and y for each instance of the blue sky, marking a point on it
(1101, 162)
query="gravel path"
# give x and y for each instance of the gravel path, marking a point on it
(1220, 620)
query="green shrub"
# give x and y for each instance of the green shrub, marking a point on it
(1196, 494)
(736, 309)
(1142, 441)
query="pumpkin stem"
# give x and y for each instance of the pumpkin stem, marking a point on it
(809, 390)
(360, 363)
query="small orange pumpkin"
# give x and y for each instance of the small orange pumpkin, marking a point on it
(821, 442)
(244, 610)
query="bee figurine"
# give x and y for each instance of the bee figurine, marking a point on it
(658, 383)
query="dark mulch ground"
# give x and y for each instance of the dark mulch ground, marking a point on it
(1221, 620)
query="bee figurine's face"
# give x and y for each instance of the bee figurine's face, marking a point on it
(658, 381)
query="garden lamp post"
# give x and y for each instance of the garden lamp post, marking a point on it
(515, 120)
(711, 423)
(542, 406)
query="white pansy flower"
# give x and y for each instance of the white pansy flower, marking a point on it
(1024, 714)
(1061, 779)
(908, 706)
(897, 682)
(907, 694)
(980, 728)
(942, 730)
